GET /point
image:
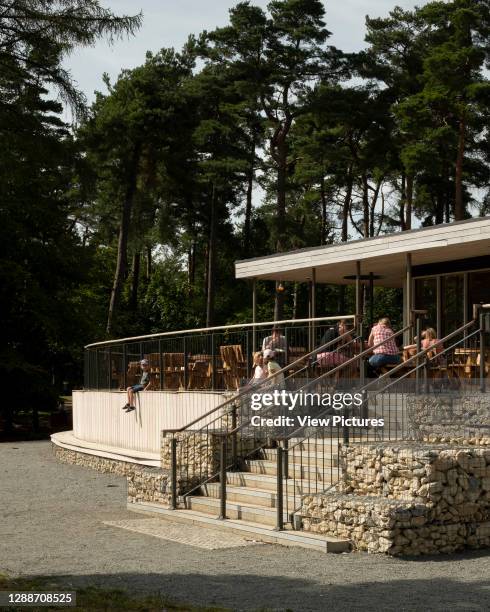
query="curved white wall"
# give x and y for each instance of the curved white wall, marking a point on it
(98, 418)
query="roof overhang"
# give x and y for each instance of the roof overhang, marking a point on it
(384, 256)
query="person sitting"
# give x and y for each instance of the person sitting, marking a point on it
(272, 367)
(387, 352)
(143, 385)
(277, 343)
(429, 340)
(334, 355)
(260, 372)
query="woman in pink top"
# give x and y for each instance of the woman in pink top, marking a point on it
(385, 351)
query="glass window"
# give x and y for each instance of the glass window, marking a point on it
(426, 299)
(452, 315)
(478, 289)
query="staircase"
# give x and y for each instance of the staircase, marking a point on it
(251, 497)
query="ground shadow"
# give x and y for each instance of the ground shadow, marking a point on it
(256, 592)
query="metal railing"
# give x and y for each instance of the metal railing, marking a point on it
(308, 458)
(224, 438)
(206, 359)
(422, 398)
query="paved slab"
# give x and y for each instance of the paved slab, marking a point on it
(192, 535)
(52, 522)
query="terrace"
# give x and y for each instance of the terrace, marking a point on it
(193, 426)
(444, 271)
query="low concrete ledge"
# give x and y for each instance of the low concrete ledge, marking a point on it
(68, 441)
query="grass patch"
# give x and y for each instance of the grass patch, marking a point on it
(95, 599)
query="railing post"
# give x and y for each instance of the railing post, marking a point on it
(345, 429)
(160, 363)
(222, 477)
(417, 361)
(482, 358)
(173, 470)
(125, 366)
(186, 363)
(279, 491)
(286, 459)
(110, 370)
(97, 372)
(362, 362)
(234, 436)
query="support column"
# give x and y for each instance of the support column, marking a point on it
(408, 298)
(439, 306)
(310, 338)
(254, 314)
(358, 295)
(371, 299)
(313, 307)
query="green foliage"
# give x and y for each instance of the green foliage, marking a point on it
(132, 221)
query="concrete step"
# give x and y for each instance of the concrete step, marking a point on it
(296, 470)
(254, 496)
(305, 456)
(248, 529)
(234, 510)
(267, 482)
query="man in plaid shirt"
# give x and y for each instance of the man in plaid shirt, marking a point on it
(387, 352)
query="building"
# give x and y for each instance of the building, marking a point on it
(190, 447)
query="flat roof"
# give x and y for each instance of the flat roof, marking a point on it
(384, 255)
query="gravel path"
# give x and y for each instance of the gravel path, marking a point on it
(52, 523)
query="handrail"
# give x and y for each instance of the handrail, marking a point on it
(330, 372)
(231, 432)
(403, 364)
(265, 382)
(210, 329)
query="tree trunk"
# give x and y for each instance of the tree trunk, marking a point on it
(346, 206)
(280, 219)
(279, 304)
(122, 245)
(295, 300)
(248, 203)
(403, 202)
(281, 197)
(439, 207)
(408, 212)
(133, 301)
(191, 268)
(211, 261)
(365, 206)
(149, 262)
(323, 230)
(459, 212)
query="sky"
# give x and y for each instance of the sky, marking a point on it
(167, 23)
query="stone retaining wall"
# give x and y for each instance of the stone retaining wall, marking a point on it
(149, 485)
(449, 418)
(378, 525)
(100, 464)
(407, 498)
(145, 484)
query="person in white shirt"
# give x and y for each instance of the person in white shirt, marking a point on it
(260, 372)
(277, 343)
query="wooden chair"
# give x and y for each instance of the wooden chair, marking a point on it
(134, 373)
(173, 370)
(199, 375)
(295, 353)
(234, 365)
